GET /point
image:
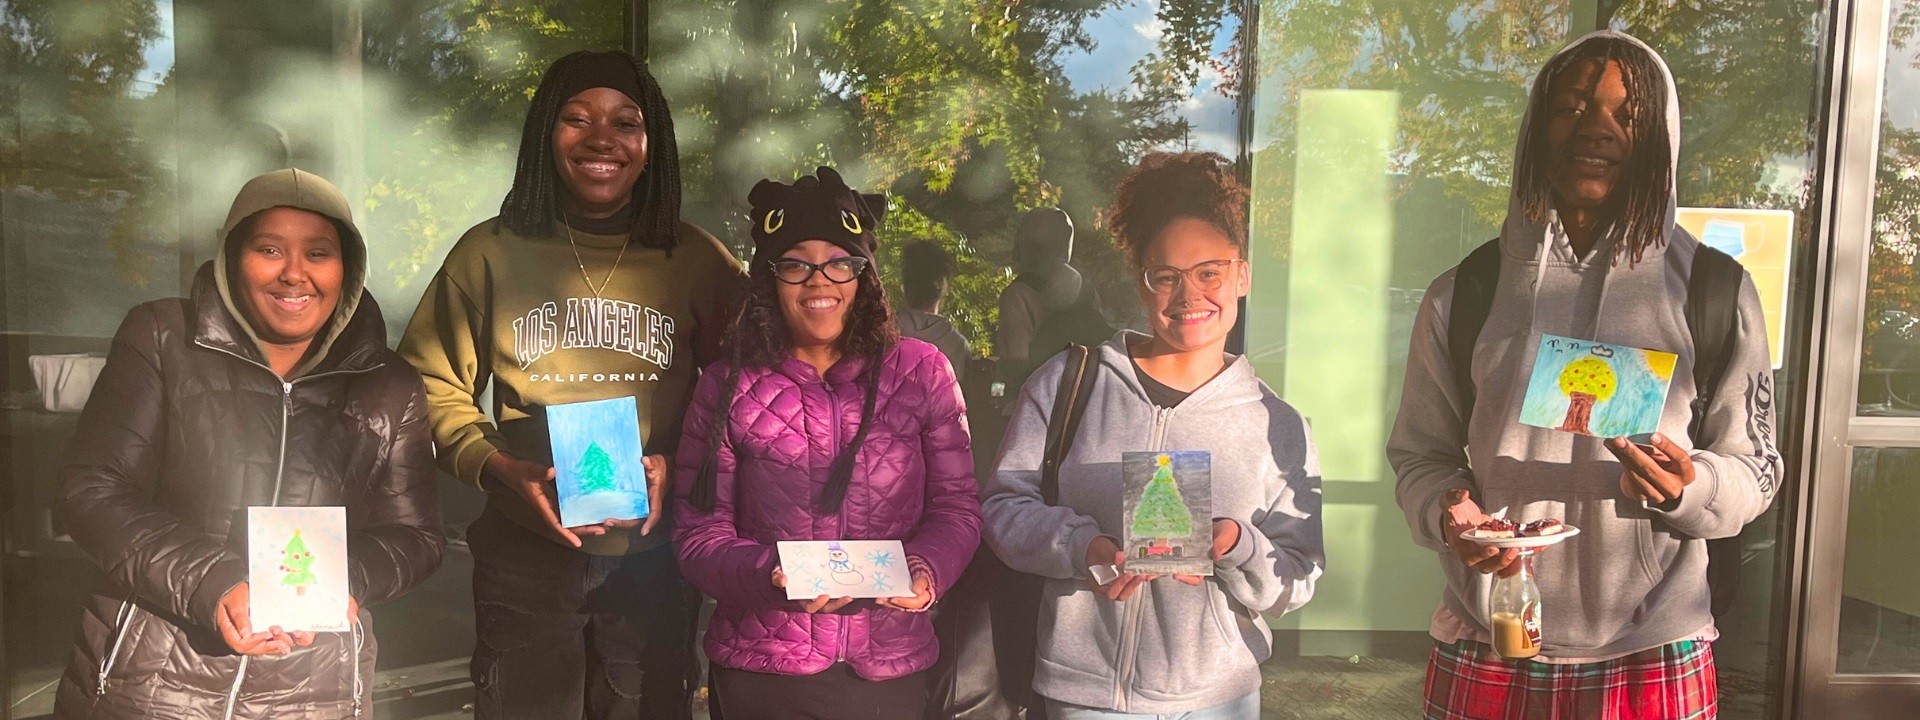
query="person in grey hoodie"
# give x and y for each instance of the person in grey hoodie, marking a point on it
(1184, 645)
(1589, 249)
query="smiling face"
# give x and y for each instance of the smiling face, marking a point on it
(1589, 136)
(816, 310)
(1191, 318)
(599, 150)
(290, 270)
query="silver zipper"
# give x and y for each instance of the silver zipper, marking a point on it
(840, 654)
(122, 621)
(1130, 623)
(358, 642)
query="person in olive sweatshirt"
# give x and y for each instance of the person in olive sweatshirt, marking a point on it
(586, 287)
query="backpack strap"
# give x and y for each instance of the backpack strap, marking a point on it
(1473, 283)
(1069, 406)
(1713, 299)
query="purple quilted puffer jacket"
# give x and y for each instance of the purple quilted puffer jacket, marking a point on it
(912, 481)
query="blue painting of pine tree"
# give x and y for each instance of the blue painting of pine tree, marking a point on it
(1167, 511)
(1595, 388)
(597, 461)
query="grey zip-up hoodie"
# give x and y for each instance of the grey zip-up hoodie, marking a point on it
(1635, 578)
(1173, 647)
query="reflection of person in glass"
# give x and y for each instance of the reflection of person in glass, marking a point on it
(823, 424)
(1183, 645)
(271, 384)
(1589, 249)
(586, 287)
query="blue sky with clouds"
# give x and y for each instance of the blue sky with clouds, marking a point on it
(1124, 35)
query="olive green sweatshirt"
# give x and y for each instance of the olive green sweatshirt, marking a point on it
(519, 312)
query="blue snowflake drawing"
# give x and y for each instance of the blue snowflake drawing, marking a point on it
(880, 558)
(880, 583)
(819, 586)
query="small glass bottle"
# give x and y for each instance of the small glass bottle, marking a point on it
(1514, 608)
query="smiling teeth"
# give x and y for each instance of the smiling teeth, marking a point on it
(605, 167)
(1192, 315)
(820, 303)
(1593, 162)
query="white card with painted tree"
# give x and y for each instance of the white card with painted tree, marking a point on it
(845, 568)
(297, 568)
(1168, 510)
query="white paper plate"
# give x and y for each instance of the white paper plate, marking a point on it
(1524, 542)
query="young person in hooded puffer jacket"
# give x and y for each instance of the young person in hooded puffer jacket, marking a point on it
(271, 385)
(824, 425)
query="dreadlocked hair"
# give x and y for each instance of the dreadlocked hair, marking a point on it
(759, 337)
(1646, 185)
(532, 205)
(1168, 186)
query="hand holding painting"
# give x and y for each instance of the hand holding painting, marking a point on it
(820, 604)
(1658, 473)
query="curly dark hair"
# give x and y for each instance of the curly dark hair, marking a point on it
(760, 337)
(1167, 186)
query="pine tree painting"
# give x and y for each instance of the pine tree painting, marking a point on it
(598, 461)
(596, 470)
(1165, 492)
(1162, 513)
(297, 562)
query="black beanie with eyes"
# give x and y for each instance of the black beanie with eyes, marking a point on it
(815, 207)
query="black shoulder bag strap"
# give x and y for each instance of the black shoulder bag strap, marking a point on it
(1069, 406)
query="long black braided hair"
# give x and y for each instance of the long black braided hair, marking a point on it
(1646, 185)
(532, 206)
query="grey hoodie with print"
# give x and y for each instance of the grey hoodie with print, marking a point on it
(1173, 647)
(1635, 578)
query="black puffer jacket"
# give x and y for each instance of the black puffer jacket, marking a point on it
(186, 428)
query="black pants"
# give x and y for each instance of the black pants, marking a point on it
(836, 693)
(565, 634)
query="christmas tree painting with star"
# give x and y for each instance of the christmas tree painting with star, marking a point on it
(1167, 505)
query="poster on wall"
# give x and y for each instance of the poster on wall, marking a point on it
(1762, 240)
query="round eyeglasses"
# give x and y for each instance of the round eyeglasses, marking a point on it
(793, 271)
(1206, 277)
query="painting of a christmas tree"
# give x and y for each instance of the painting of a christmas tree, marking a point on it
(597, 459)
(596, 470)
(297, 562)
(1167, 511)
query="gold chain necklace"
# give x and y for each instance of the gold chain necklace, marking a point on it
(583, 265)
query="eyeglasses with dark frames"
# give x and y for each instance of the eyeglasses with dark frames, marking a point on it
(794, 271)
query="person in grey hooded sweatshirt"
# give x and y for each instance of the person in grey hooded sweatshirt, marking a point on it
(1589, 249)
(1183, 646)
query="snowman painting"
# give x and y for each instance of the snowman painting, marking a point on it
(840, 565)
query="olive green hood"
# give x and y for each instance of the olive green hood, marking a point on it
(301, 190)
